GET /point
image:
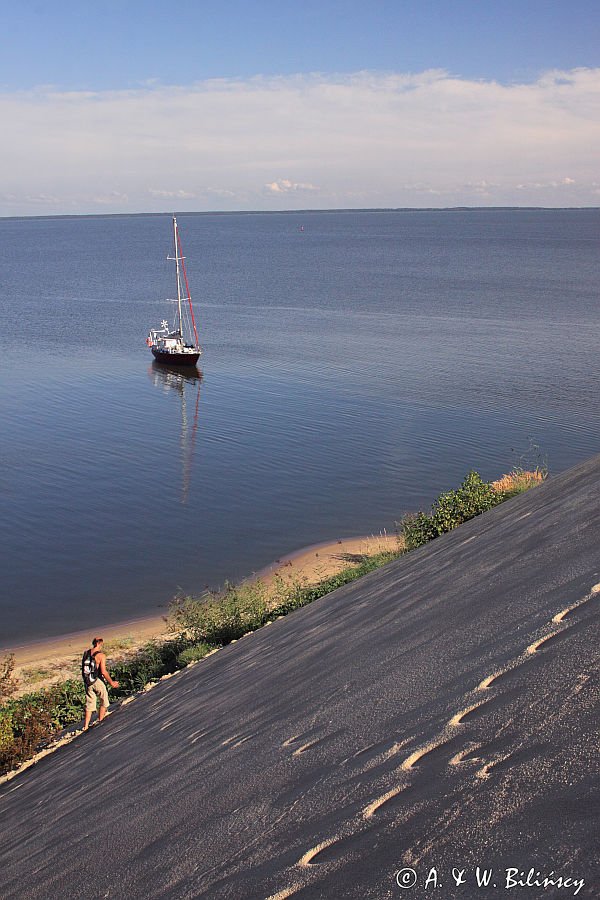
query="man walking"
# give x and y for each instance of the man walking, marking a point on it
(95, 674)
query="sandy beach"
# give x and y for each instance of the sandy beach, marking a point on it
(57, 658)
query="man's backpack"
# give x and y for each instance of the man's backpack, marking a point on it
(89, 668)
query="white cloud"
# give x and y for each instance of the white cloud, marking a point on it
(178, 195)
(110, 199)
(218, 192)
(42, 199)
(285, 186)
(367, 139)
(536, 185)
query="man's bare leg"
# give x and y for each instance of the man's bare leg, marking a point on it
(86, 721)
(101, 713)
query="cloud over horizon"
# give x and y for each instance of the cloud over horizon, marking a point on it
(365, 139)
(285, 186)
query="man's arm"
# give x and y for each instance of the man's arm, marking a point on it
(101, 660)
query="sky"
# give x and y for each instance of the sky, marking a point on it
(255, 104)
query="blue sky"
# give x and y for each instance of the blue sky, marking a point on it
(121, 44)
(293, 104)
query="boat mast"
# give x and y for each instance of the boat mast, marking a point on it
(188, 296)
(178, 277)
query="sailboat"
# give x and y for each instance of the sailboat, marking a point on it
(177, 346)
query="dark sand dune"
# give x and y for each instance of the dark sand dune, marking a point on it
(438, 714)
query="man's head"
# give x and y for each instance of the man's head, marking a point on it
(97, 641)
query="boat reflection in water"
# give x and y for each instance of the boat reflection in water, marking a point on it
(185, 381)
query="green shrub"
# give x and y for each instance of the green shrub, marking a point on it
(473, 497)
(6, 732)
(31, 726)
(417, 529)
(451, 508)
(67, 702)
(193, 654)
(32, 720)
(221, 618)
(153, 661)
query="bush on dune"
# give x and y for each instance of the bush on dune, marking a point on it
(193, 654)
(220, 618)
(473, 497)
(29, 723)
(452, 508)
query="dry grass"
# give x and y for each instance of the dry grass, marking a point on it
(33, 678)
(119, 645)
(36, 673)
(515, 482)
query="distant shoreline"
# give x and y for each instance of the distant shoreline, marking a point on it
(328, 211)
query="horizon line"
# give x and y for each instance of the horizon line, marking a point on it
(329, 210)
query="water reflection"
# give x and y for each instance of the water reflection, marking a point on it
(186, 382)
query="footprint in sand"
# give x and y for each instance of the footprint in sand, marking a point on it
(332, 849)
(489, 681)
(297, 738)
(433, 755)
(286, 892)
(482, 708)
(543, 642)
(310, 740)
(575, 607)
(388, 801)
(299, 750)
(236, 740)
(374, 755)
(311, 856)
(465, 713)
(467, 755)
(555, 637)
(535, 646)
(504, 761)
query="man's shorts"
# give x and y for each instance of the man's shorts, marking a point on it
(92, 692)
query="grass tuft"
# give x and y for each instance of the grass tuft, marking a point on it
(518, 481)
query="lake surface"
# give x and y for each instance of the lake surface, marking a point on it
(351, 371)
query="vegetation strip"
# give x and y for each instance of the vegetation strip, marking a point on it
(202, 625)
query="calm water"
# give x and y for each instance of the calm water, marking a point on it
(351, 371)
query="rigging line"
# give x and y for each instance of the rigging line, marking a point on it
(187, 287)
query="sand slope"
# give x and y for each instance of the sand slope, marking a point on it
(439, 714)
